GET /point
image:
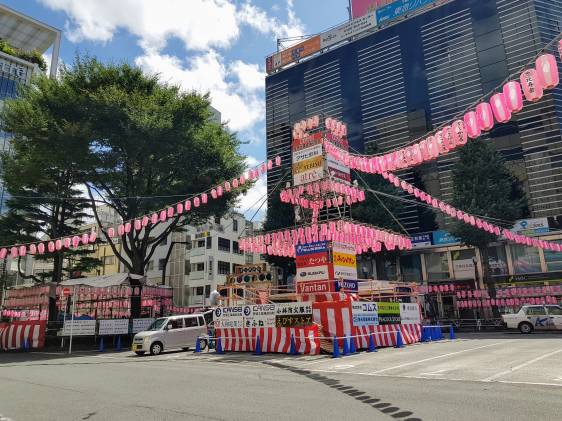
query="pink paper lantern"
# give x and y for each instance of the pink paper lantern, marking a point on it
(432, 147)
(460, 135)
(22, 251)
(145, 221)
(441, 146)
(500, 108)
(424, 150)
(485, 116)
(3, 253)
(75, 241)
(127, 227)
(547, 71)
(196, 202)
(448, 138)
(154, 218)
(121, 229)
(187, 205)
(51, 246)
(58, 244)
(531, 84)
(85, 238)
(138, 224)
(277, 161)
(32, 249)
(513, 96)
(471, 123)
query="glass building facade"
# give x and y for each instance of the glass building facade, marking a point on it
(398, 83)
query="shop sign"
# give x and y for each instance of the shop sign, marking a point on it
(347, 30)
(463, 269)
(308, 164)
(307, 141)
(313, 287)
(531, 226)
(293, 314)
(259, 315)
(343, 259)
(308, 176)
(364, 313)
(140, 325)
(314, 259)
(113, 327)
(307, 153)
(79, 328)
(347, 285)
(421, 240)
(345, 272)
(229, 317)
(313, 273)
(443, 237)
(410, 313)
(399, 8)
(309, 248)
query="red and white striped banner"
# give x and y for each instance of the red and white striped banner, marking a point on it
(13, 335)
(329, 296)
(273, 339)
(385, 335)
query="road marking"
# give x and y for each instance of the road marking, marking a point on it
(531, 383)
(343, 366)
(520, 366)
(438, 356)
(434, 373)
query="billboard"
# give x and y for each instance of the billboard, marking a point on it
(362, 7)
(313, 259)
(308, 164)
(344, 261)
(308, 153)
(293, 314)
(364, 314)
(313, 287)
(443, 237)
(421, 240)
(389, 313)
(309, 248)
(531, 226)
(313, 273)
(337, 169)
(347, 30)
(292, 54)
(399, 8)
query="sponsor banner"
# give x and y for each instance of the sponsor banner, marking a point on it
(336, 165)
(362, 7)
(313, 273)
(531, 226)
(311, 287)
(343, 176)
(304, 154)
(364, 313)
(343, 247)
(308, 164)
(310, 248)
(308, 176)
(259, 315)
(421, 240)
(340, 142)
(113, 327)
(344, 259)
(307, 142)
(399, 8)
(345, 272)
(292, 54)
(463, 269)
(229, 317)
(293, 314)
(410, 313)
(79, 328)
(313, 259)
(443, 237)
(389, 313)
(140, 325)
(347, 30)
(348, 285)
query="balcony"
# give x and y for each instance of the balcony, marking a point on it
(197, 252)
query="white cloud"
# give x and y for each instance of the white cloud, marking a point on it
(251, 161)
(240, 106)
(249, 75)
(259, 20)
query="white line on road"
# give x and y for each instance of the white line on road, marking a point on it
(520, 366)
(437, 357)
(434, 373)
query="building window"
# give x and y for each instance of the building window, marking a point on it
(235, 225)
(200, 243)
(187, 267)
(224, 244)
(553, 260)
(161, 264)
(497, 260)
(209, 242)
(525, 259)
(224, 268)
(437, 265)
(207, 290)
(198, 267)
(199, 291)
(109, 260)
(236, 247)
(217, 220)
(249, 259)
(410, 267)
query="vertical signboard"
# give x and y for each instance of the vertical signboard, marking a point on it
(344, 261)
(313, 268)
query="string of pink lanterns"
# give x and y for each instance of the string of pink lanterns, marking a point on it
(184, 206)
(531, 84)
(342, 193)
(364, 237)
(468, 218)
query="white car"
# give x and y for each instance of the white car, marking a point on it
(531, 317)
(171, 333)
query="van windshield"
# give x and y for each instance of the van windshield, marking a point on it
(158, 323)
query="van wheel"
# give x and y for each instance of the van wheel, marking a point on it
(525, 327)
(156, 348)
(139, 352)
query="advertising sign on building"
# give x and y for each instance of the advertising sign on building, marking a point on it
(308, 176)
(443, 237)
(313, 259)
(259, 315)
(229, 317)
(337, 170)
(344, 261)
(313, 273)
(531, 226)
(421, 240)
(113, 327)
(410, 313)
(347, 30)
(307, 153)
(314, 287)
(399, 8)
(308, 164)
(362, 7)
(293, 314)
(347, 285)
(389, 313)
(292, 54)
(140, 325)
(309, 248)
(79, 328)
(364, 313)
(306, 142)
(463, 269)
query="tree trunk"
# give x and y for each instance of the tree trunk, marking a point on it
(488, 282)
(57, 267)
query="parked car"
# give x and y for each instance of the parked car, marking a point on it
(171, 332)
(531, 317)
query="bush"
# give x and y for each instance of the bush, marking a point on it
(30, 56)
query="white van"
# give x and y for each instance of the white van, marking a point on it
(171, 333)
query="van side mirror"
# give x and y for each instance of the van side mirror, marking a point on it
(168, 327)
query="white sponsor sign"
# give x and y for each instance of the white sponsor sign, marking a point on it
(313, 273)
(531, 226)
(343, 248)
(259, 315)
(333, 163)
(229, 317)
(364, 313)
(348, 30)
(113, 327)
(345, 272)
(463, 269)
(79, 328)
(410, 313)
(282, 309)
(308, 176)
(140, 325)
(307, 153)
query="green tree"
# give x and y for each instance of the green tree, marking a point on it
(484, 186)
(42, 173)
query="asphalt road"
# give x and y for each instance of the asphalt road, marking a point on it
(477, 377)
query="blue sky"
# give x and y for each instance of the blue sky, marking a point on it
(207, 45)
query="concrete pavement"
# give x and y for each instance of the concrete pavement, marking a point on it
(480, 376)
